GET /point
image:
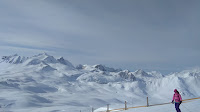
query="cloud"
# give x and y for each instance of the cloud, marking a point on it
(104, 31)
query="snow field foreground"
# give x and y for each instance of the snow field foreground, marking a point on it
(44, 84)
(186, 106)
(192, 106)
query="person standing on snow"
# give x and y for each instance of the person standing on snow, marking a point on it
(178, 100)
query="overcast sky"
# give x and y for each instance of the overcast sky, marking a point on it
(162, 35)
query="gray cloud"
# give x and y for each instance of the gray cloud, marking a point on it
(114, 32)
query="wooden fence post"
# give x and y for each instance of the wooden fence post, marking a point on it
(125, 105)
(92, 109)
(107, 108)
(147, 101)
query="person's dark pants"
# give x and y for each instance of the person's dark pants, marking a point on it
(177, 107)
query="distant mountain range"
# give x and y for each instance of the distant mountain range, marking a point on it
(44, 83)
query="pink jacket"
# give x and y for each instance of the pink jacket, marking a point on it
(177, 97)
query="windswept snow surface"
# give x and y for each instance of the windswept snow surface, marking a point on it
(192, 106)
(42, 83)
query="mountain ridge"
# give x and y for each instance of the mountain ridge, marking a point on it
(43, 81)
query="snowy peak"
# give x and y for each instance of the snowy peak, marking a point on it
(155, 74)
(40, 58)
(46, 68)
(65, 62)
(36, 59)
(50, 59)
(127, 75)
(41, 54)
(79, 67)
(42, 62)
(13, 59)
(104, 68)
(98, 67)
(103, 75)
(193, 73)
(45, 57)
(142, 73)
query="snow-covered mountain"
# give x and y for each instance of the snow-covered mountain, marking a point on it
(15, 59)
(42, 83)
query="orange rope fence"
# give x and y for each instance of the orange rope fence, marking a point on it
(184, 101)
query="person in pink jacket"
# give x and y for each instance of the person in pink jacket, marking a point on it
(178, 100)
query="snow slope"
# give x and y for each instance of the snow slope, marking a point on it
(192, 106)
(42, 83)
